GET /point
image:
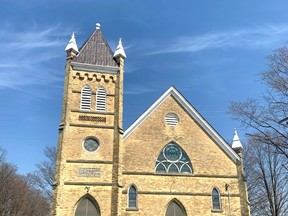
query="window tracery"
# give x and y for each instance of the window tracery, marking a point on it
(172, 159)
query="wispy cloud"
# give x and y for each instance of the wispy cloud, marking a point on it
(253, 38)
(26, 56)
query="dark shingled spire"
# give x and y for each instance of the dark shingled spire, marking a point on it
(96, 51)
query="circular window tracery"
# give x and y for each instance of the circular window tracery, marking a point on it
(91, 144)
(172, 159)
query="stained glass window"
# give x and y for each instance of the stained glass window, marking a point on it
(216, 199)
(132, 197)
(172, 159)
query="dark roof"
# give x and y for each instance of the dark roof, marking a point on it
(96, 51)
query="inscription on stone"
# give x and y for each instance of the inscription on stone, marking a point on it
(89, 172)
(92, 118)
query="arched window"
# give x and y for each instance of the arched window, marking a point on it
(87, 207)
(216, 202)
(172, 159)
(175, 209)
(101, 99)
(132, 197)
(86, 93)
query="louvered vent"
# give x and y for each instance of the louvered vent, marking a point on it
(171, 119)
(101, 99)
(86, 98)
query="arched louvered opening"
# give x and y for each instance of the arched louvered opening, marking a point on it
(87, 207)
(171, 119)
(216, 201)
(86, 93)
(172, 159)
(175, 208)
(101, 99)
(132, 197)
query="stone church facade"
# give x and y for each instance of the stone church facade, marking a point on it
(169, 162)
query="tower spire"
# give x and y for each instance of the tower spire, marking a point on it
(236, 144)
(72, 45)
(119, 52)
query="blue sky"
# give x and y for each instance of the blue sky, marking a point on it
(211, 51)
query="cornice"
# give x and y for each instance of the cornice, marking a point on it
(94, 68)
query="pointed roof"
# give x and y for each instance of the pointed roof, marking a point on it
(236, 144)
(96, 51)
(72, 44)
(193, 113)
(119, 50)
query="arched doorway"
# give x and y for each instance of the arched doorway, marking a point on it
(175, 209)
(87, 207)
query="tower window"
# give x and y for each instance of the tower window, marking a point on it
(86, 98)
(132, 197)
(101, 99)
(172, 159)
(216, 204)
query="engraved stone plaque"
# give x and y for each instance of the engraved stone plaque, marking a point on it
(89, 172)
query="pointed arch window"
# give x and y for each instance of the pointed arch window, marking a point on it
(101, 99)
(172, 159)
(86, 93)
(175, 209)
(87, 207)
(216, 201)
(132, 197)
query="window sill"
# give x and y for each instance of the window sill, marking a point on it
(132, 209)
(217, 210)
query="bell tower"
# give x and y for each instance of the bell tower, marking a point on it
(88, 175)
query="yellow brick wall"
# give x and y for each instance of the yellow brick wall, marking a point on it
(211, 166)
(72, 187)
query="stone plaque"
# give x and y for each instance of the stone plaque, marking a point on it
(89, 172)
(92, 118)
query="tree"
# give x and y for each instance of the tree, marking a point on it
(266, 122)
(2, 154)
(43, 178)
(266, 179)
(18, 196)
(266, 117)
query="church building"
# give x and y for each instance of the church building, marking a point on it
(169, 162)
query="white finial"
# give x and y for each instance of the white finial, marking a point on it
(119, 50)
(72, 44)
(98, 25)
(236, 144)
